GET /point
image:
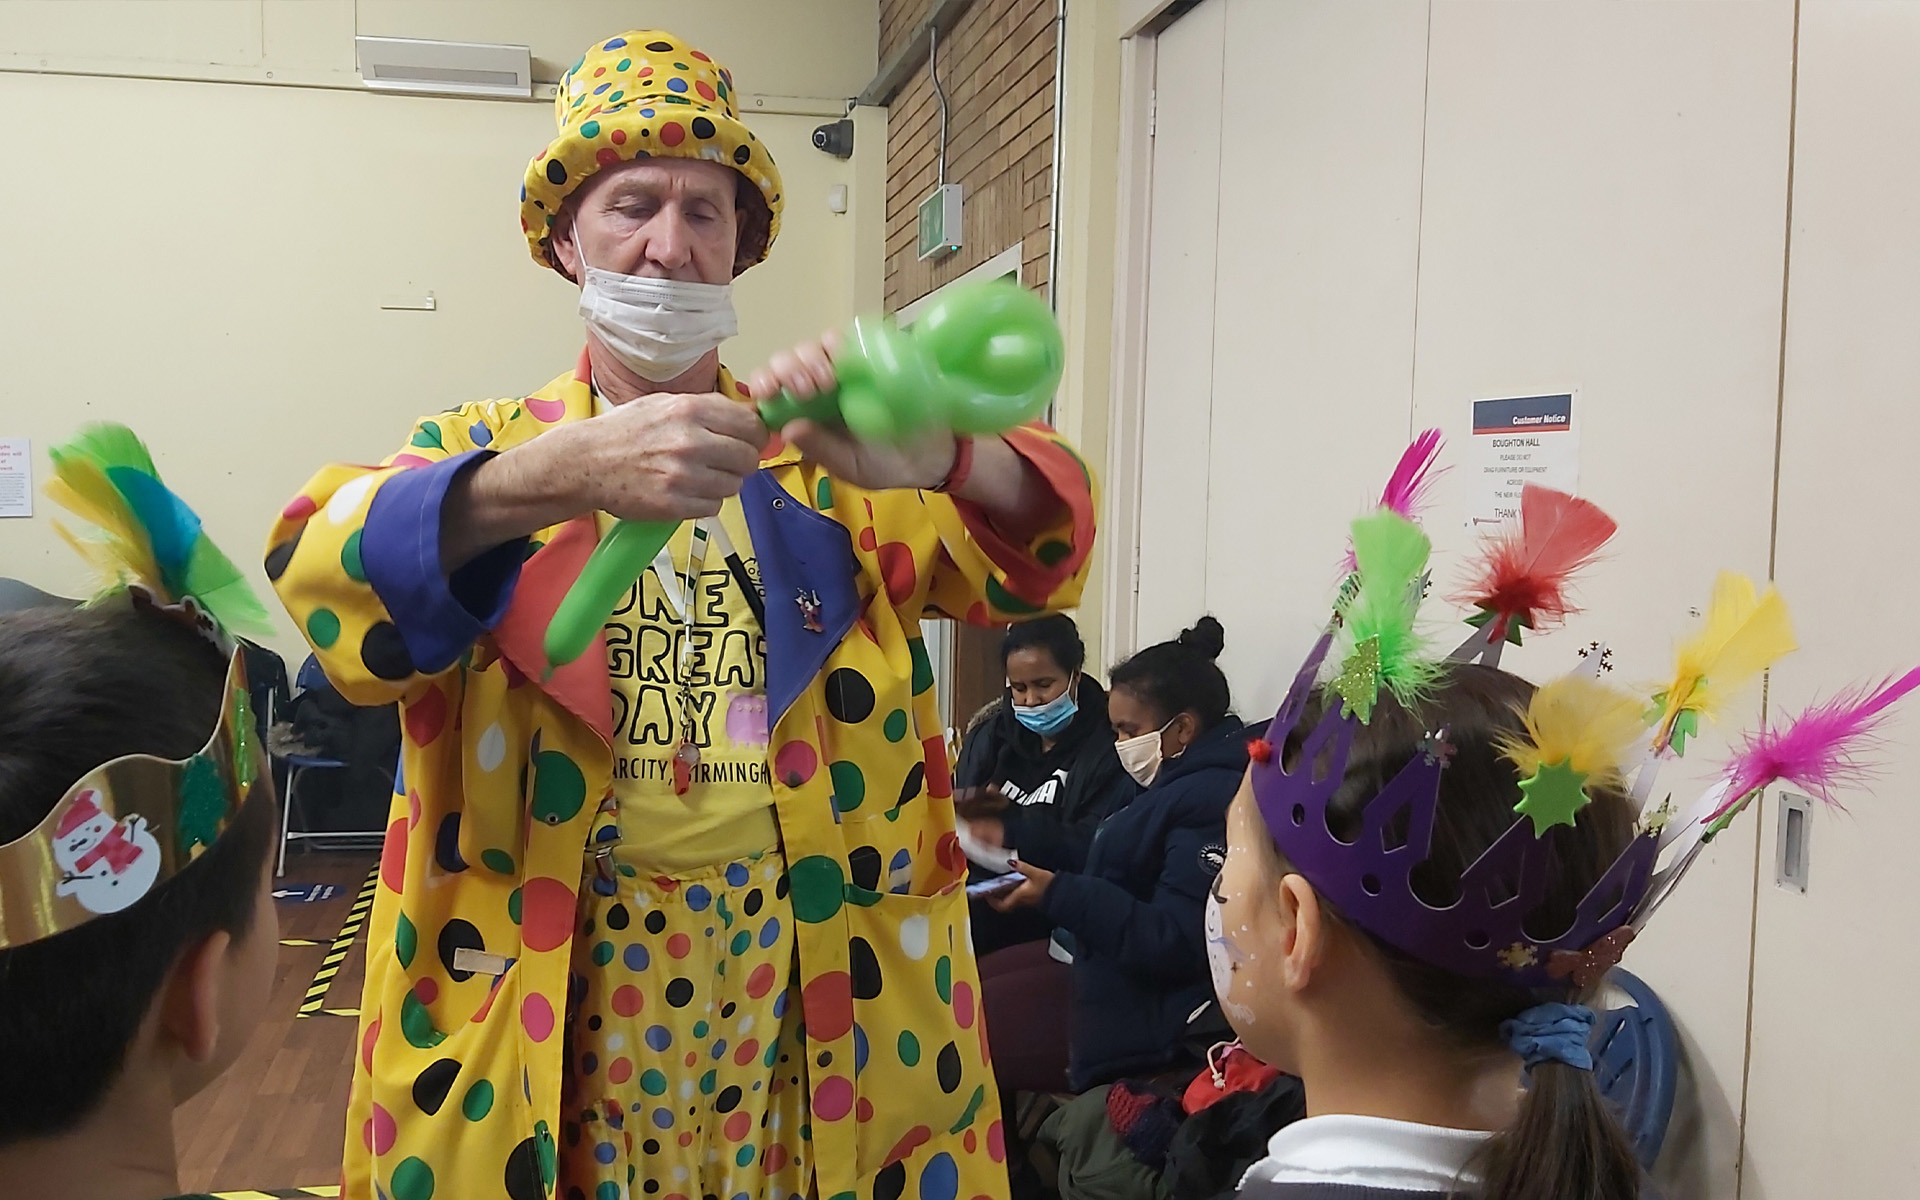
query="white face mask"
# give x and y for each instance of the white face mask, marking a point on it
(657, 328)
(1140, 756)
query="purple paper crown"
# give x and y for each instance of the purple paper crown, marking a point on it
(1483, 933)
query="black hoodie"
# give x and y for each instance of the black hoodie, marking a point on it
(1059, 797)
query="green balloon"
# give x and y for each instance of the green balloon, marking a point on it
(981, 359)
(621, 557)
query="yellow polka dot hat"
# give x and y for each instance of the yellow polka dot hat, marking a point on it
(642, 93)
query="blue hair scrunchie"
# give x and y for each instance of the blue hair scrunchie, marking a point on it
(1555, 1033)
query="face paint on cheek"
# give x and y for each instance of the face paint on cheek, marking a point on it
(1223, 959)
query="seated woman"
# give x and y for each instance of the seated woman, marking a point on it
(1038, 776)
(1135, 912)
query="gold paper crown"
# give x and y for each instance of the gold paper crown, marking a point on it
(131, 824)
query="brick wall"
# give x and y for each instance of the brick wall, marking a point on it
(897, 20)
(996, 66)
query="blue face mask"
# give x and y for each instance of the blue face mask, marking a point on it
(1050, 718)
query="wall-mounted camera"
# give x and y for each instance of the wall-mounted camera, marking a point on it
(835, 137)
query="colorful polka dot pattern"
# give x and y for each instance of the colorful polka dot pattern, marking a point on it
(688, 1069)
(644, 93)
(460, 1071)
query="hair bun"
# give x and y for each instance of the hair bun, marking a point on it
(1206, 638)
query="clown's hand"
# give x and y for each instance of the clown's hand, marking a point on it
(806, 371)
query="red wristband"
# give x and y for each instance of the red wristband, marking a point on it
(962, 464)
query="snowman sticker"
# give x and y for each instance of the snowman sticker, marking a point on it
(104, 864)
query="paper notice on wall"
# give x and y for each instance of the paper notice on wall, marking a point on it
(16, 477)
(1517, 441)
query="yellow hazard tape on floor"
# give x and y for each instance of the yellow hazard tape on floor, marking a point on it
(288, 1194)
(337, 952)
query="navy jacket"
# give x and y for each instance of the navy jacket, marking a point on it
(1138, 913)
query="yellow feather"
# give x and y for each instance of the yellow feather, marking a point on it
(1745, 633)
(1582, 723)
(122, 553)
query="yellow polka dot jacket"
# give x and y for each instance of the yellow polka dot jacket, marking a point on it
(505, 768)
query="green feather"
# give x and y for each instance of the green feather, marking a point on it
(212, 579)
(189, 563)
(112, 445)
(1391, 553)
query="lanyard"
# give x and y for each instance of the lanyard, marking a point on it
(682, 595)
(687, 756)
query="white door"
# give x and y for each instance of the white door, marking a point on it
(1170, 560)
(1278, 361)
(1835, 1079)
(1365, 216)
(1621, 232)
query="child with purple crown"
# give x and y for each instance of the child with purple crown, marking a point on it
(1432, 865)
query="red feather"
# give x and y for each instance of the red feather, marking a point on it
(1406, 490)
(1523, 571)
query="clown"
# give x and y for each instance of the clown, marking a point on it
(685, 916)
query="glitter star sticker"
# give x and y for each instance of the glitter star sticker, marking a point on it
(1437, 749)
(1358, 684)
(1657, 820)
(1551, 796)
(1519, 956)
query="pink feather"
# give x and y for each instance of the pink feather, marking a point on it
(1406, 490)
(1407, 487)
(1820, 751)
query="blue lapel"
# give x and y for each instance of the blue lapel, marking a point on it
(801, 554)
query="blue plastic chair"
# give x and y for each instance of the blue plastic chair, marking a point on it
(1636, 1062)
(310, 678)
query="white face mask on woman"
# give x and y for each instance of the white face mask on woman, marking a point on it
(1141, 756)
(657, 328)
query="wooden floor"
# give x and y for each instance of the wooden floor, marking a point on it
(276, 1120)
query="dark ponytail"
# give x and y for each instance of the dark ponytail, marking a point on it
(1565, 1144)
(1181, 675)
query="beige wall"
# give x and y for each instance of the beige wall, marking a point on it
(209, 261)
(1083, 289)
(779, 51)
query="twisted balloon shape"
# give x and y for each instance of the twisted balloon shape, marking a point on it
(982, 359)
